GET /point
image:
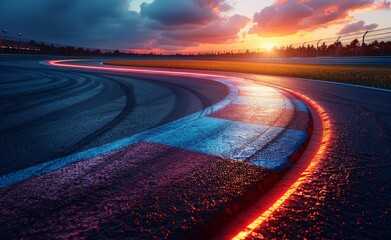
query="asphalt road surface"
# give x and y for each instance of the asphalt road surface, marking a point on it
(347, 196)
(48, 113)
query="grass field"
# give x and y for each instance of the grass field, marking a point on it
(367, 76)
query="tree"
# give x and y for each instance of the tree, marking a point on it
(353, 47)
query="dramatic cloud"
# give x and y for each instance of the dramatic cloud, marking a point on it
(76, 22)
(281, 19)
(222, 31)
(192, 22)
(357, 27)
(287, 17)
(163, 24)
(179, 12)
(170, 24)
(383, 5)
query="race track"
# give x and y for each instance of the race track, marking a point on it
(141, 186)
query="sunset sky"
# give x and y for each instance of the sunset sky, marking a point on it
(189, 25)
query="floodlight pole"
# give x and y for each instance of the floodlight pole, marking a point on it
(20, 42)
(3, 42)
(363, 43)
(337, 47)
(317, 47)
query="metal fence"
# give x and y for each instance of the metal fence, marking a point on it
(368, 43)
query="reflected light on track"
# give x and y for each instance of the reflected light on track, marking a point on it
(319, 156)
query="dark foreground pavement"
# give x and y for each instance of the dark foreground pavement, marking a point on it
(143, 191)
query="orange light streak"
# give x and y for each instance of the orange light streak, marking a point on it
(63, 63)
(319, 156)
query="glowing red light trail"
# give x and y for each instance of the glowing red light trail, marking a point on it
(319, 156)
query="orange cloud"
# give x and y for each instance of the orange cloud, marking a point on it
(383, 5)
(357, 27)
(286, 17)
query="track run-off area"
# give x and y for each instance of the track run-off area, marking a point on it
(225, 162)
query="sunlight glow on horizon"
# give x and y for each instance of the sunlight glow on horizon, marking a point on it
(252, 41)
(190, 26)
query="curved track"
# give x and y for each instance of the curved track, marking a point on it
(346, 195)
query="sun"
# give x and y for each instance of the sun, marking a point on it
(269, 47)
